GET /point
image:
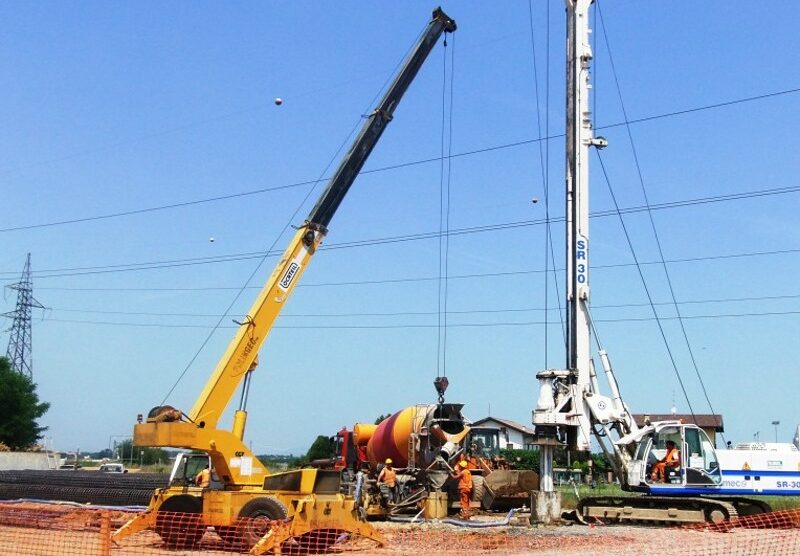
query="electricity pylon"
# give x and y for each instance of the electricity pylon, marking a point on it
(20, 343)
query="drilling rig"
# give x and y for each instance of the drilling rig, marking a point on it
(700, 483)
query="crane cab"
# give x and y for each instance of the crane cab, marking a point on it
(692, 468)
(186, 468)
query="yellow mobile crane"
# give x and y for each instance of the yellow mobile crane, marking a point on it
(245, 500)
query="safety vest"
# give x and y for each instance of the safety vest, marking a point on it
(203, 478)
(465, 480)
(672, 455)
(389, 476)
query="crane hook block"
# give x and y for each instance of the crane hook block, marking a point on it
(441, 383)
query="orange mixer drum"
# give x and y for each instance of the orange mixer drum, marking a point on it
(434, 425)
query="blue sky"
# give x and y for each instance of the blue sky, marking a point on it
(117, 107)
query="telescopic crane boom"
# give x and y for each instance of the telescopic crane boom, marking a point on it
(199, 429)
(247, 500)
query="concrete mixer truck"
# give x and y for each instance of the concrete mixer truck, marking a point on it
(425, 442)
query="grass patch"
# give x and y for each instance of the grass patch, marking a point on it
(779, 503)
(569, 501)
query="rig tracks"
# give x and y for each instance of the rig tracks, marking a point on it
(658, 509)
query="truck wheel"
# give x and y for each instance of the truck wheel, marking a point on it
(256, 516)
(179, 522)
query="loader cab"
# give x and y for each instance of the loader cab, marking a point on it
(694, 466)
(485, 440)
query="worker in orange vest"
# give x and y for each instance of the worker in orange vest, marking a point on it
(472, 461)
(464, 477)
(671, 460)
(203, 479)
(388, 478)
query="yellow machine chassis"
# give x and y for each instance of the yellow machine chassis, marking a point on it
(307, 511)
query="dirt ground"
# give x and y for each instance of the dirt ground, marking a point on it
(42, 529)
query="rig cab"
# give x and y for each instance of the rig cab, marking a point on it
(694, 470)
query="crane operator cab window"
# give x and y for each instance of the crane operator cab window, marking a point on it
(702, 467)
(664, 460)
(187, 467)
(679, 456)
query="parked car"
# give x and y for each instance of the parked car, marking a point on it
(113, 468)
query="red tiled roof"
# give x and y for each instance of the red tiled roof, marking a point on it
(702, 420)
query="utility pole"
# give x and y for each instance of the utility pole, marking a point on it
(562, 416)
(20, 343)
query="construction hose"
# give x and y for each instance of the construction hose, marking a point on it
(409, 502)
(459, 522)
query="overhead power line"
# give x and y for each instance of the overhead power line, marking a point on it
(432, 325)
(473, 152)
(431, 313)
(151, 265)
(433, 278)
(653, 226)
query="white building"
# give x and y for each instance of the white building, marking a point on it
(513, 435)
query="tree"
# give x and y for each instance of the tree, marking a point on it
(382, 418)
(320, 449)
(19, 408)
(105, 453)
(139, 454)
(522, 459)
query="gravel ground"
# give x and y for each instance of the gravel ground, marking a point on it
(40, 529)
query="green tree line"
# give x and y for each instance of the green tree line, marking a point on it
(19, 409)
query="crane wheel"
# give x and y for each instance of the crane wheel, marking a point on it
(255, 519)
(179, 521)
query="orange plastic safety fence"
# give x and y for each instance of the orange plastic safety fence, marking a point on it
(786, 519)
(43, 529)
